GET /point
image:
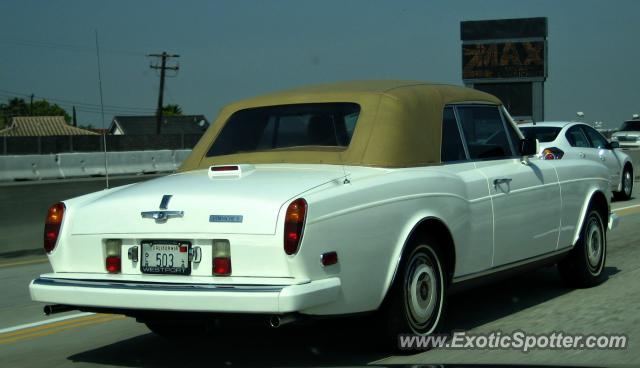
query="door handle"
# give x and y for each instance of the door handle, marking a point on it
(499, 181)
(602, 158)
(582, 155)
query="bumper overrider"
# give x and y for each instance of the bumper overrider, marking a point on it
(613, 221)
(275, 299)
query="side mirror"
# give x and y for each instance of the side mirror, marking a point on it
(614, 144)
(528, 147)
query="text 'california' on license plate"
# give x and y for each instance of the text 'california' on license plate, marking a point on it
(166, 257)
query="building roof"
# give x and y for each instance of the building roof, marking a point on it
(34, 126)
(176, 124)
(399, 125)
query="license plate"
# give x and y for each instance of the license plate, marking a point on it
(166, 257)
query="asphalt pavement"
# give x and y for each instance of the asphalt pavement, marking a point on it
(24, 205)
(536, 302)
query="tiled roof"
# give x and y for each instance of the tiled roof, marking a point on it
(33, 126)
(180, 124)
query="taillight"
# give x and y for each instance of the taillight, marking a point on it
(221, 257)
(294, 225)
(52, 225)
(113, 260)
(113, 264)
(552, 153)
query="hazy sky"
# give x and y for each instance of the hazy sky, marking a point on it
(235, 49)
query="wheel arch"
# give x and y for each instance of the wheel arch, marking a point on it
(432, 226)
(595, 199)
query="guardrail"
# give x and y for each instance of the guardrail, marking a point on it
(43, 145)
(87, 164)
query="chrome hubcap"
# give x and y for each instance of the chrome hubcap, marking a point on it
(594, 243)
(421, 290)
(627, 183)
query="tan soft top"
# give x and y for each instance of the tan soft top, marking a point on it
(399, 124)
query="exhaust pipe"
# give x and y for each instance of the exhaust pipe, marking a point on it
(57, 308)
(276, 320)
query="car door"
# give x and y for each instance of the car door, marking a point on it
(599, 151)
(578, 141)
(471, 225)
(525, 195)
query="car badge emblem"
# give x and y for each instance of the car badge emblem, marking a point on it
(226, 218)
(163, 215)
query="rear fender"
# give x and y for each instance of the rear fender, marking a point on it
(589, 199)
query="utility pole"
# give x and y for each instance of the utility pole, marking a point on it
(31, 106)
(162, 67)
(75, 120)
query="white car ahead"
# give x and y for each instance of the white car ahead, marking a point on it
(574, 140)
(629, 134)
(337, 199)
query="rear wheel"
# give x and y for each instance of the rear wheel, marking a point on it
(627, 184)
(418, 295)
(584, 264)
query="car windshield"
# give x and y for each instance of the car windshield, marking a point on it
(633, 125)
(287, 127)
(541, 133)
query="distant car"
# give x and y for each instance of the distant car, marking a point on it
(629, 134)
(571, 140)
(330, 200)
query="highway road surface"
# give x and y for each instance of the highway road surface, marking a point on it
(536, 303)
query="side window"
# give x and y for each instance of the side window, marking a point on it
(350, 123)
(576, 137)
(484, 132)
(513, 135)
(452, 148)
(597, 140)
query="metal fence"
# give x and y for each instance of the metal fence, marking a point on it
(94, 143)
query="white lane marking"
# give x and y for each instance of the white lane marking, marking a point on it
(40, 323)
(624, 208)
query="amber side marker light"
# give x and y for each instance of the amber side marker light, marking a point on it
(52, 225)
(294, 225)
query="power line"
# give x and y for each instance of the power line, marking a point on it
(60, 101)
(163, 68)
(65, 47)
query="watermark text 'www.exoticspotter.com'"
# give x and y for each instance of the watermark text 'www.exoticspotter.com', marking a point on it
(517, 340)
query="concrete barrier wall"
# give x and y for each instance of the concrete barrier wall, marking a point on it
(23, 206)
(87, 164)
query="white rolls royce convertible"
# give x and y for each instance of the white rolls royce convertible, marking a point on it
(379, 196)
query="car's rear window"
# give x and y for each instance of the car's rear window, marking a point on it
(287, 126)
(631, 125)
(541, 133)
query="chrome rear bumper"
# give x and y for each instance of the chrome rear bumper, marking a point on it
(185, 297)
(613, 221)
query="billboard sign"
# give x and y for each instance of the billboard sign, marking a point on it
(504, 60)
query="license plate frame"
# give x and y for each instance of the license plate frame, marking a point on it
(150, 250)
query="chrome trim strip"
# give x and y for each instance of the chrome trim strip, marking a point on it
(510, 265)
(156, 286)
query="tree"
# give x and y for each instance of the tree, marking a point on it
(44, 108)
(19, 107)
(171, 110)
